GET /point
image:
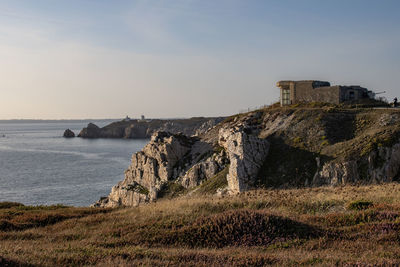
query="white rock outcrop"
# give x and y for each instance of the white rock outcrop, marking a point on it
(246, 154)
(150, 169)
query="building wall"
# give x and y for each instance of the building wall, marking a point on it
(306, 93)
(319, 91)
(357, 93)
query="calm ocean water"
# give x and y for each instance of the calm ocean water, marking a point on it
(40, 167)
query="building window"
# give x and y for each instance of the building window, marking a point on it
(351, 95)
(286, 97)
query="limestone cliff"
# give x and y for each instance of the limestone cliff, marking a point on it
(273, 147)
(246, 155)
(381, 165)
(150, 169)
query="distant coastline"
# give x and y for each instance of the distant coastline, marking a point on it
(145, 128)
(55, 121)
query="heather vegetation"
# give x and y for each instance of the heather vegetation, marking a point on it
(351, 225)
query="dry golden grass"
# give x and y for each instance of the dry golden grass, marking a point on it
(311, 226)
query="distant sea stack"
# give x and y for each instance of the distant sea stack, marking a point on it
(68, 133)
(142, 129)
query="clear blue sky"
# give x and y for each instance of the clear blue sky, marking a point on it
(181, 58)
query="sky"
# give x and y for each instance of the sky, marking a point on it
(70, 59)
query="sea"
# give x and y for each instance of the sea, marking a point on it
(38, 166)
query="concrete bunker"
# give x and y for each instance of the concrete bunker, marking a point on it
(294, 92)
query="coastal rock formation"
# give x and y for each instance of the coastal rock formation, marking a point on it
(188, 161)
(337, 173)
(150, 169)
(274, 147)
(204, 170)
(140, 129)
(68, 133)
(384, 164)
(246, 155)
(91, 131)
(381, 165)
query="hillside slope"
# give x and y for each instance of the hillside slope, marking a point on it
(273, 147)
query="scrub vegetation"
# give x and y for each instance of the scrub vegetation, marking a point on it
(351, 225)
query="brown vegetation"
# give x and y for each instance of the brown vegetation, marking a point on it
(315, 226)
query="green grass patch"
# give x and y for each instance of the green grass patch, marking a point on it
(171, 189)
(211, 185)
(7, 205)
(138, 188)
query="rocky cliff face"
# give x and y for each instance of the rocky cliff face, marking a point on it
(246, 155)
(269, 148)
(381, 165)
(188, 162)
(150, 169)
(337, 173)
(140, 129)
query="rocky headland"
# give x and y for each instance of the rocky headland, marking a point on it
(141, 129)
(273, 147)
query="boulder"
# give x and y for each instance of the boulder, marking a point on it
(68, 133)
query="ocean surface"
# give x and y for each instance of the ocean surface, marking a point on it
(40, 167)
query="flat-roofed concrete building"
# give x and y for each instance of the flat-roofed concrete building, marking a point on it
(294, 92)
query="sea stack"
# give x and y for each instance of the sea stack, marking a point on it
(68, 133)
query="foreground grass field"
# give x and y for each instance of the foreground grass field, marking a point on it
(316, 226)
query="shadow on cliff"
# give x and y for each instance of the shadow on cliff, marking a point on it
(288, 166)
(339, 126)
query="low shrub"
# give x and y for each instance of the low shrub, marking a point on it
(360, 205)
(239, 228)
(7, 205)
(170, 190)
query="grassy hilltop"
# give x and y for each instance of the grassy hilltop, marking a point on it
(315, 226)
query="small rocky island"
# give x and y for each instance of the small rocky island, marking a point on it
(69, 134)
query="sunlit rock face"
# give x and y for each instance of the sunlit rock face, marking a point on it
(246, 155)
(149, 170)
